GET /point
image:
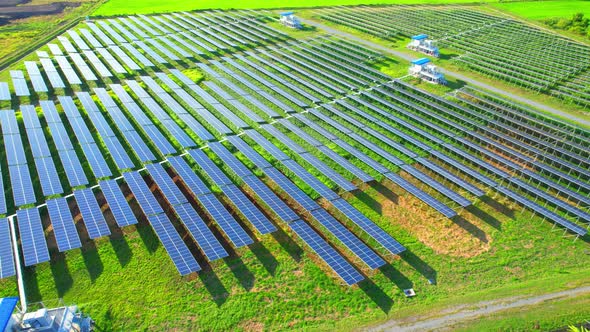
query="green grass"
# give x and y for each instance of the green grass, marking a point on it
(123, 7)
(538, 10)
(129, 283)
(547, 316)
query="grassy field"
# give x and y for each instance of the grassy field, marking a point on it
(538, 10)
(127, 282)
(25, 33)
(122, 7)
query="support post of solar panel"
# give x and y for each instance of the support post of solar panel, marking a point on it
(19, 272)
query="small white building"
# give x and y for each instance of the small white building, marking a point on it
(421, 43)
(424, 69)
(290, 20)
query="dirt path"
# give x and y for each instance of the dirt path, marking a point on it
(452, 316)
(573, 118)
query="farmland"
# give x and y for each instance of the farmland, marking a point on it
(546, 9)
(227, 173)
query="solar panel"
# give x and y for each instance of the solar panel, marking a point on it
(20, 84)
(95, 222)
(66, 68)
(347, 238)
(32, 236)
(200, 232)
(310, 180)
(472, 173)
(83, 67)
(166, 184)
(177, 250)
(2, 197)
(48, 176)
(436, 185)
(268, 146)
(22, 186)
(15, 152)
(64, 228)
(229, 159)
(55, 50)
(138, 145)
(426, 198)
(4, 91)
(142, 193)
(248, 209)
(188, 176)
(151, 52)
(543, 211)
(282, 210)
(336, 262)
(117, 203)
(250, 153)
(225, 220)
(159, 140)
(78, 40)
(7, 267)
(451, 177)
(74, 171)
(98, 164)
(35, 76)
(277, 134)
(125, 58)
(291, 189)
(329, 172)
(137, 55)
(346, 164)
(111, 61)
(218, 177)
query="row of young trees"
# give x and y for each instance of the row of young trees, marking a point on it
(577, 24)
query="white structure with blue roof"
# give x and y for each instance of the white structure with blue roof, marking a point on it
(290, 20)
(426, 70)
(421, 43)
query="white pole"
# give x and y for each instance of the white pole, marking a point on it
(19, 272)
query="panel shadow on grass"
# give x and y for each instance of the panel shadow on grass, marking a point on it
(486, 217)
(288, 244)
(147, 235)
(267, 259)
(92, 260)
(419, 265)
(377, 295)
(395, 276)
(240, 270)
(214, 286)
(61, 274)
(477, 232)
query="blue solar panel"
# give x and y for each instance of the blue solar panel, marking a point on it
(73, 168)
(229, 159)
(291, 189)
(2, 197)
(451, 177)
(310, 180)
(249, 210)
(462, 201)
(250, 153)
(117, 203)
(386, 240)
(426, 198)
(97, 162)
(15, 152)
(7, 267)
(117, 152)
(64, 228)
(329, 172)
(188, 176)
(177, 250)
(32, 236)
(345, 236)
(225, 220)
(142, 193)
(336, 262)
(268, 146)
(22, 187)
(48, 176)
(9, 123)
(166, 184)
(142, 151)
(159, 140)
(95, 222)
(200, 232)
(283, 211)
(38, 143)
(218, 177)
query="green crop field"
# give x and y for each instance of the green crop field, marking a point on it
(538, 10)
(123, 7)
